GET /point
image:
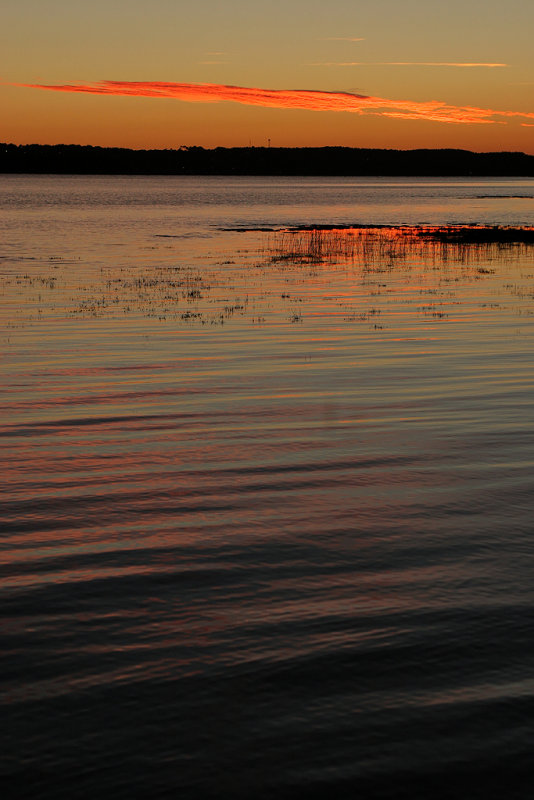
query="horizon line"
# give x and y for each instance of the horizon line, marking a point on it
(275, 147)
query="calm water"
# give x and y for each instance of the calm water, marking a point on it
(267, 517)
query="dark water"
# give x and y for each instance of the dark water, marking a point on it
(267, 516)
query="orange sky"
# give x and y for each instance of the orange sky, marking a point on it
(298, 73)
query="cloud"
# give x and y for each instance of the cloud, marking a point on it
(304, 99)
(406, 64)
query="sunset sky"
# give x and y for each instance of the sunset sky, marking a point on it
(298, 72)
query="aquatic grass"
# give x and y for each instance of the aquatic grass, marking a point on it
(381, 247)
(287, 276)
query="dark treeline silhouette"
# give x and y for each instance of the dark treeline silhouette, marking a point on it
(78, 159)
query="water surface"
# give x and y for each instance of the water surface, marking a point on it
(267, 517)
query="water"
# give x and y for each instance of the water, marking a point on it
(267, 517)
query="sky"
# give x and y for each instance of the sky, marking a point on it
(171, 73)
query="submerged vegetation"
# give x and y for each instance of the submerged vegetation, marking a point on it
(368, 275)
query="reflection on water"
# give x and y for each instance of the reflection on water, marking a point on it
(281, 276)
(267, 518)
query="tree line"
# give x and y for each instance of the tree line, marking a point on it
(340, 161)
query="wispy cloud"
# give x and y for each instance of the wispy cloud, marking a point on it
(343, 39)
(407, 64)
(307, 99)
(214, 57)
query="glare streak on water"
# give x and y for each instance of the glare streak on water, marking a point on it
(266, 519)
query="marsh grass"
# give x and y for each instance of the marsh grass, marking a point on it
(368, 246)
(289, 275)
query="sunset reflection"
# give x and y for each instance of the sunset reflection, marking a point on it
(273, 474)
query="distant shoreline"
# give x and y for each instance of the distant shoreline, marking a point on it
(262, 161)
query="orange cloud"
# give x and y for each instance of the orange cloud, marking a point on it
(308, 99)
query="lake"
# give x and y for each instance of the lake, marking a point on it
(268, 496)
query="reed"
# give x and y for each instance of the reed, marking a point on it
(369, 246)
